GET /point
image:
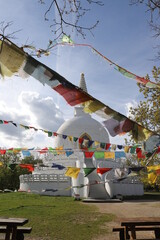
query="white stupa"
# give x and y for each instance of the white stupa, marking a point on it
(51, 181)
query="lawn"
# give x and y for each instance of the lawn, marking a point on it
(55, 218)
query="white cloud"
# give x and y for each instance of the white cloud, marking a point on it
(35, 111)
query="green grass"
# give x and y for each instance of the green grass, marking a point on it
(55, 218)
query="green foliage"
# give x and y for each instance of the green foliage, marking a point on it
(10, 170)
(55, 217)
(31, 160)
(9, 178)
(147, 113)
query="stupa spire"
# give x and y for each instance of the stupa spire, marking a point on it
(82, 83)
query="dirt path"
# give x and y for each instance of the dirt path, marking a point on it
(126, 209)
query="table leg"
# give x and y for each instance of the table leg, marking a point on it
(126, 234)
(14, 233)
(8, 231)
(133, 233)
(157, 233)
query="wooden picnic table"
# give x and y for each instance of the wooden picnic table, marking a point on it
(11, 226)
(140, 224)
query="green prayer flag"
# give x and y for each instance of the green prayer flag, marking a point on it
(99, 155)
(87, 171)
(66, 39)
(49, 134)
(75, 139)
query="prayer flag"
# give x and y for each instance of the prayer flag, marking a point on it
(152, 175)
(88, 154)
(109, 155)
(30, 167)
(119, 154)
(72, 172)
(103, 170)
(87, 171)
(99, 155)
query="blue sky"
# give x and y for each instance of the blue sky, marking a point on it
(123, 35)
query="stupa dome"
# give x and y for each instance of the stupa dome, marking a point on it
(82, 125)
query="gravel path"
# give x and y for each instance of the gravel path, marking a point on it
(129, 209)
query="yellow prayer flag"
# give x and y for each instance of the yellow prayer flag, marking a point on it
(16, 150)
(70, 138)
(126, 149)
(11, 58)
(59, 150)
(152, 176)
(1, 164)
(92, 106)
(113, 147)
(96, 143)
(109, 155)
(72, 172)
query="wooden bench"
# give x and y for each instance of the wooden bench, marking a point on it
(121, 231)
(20, 231)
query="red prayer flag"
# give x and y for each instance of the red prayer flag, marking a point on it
(88, 154)
(30, 167)
(158, 150)
(72, 95)
(107, 146)
(103, 170)
(158, 171)
(139, 153)
(2, 151)
(80, 140)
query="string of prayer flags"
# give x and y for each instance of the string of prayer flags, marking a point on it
(68, 42)
(72, 172)
(116, 122)
(87, 171)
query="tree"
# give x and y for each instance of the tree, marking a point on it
(147, 113)
(31, 160)
(64, 10)
(9, 176)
